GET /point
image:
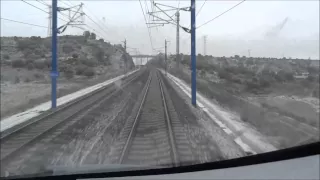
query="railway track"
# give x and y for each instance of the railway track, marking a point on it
(15, 141)
(150, 137)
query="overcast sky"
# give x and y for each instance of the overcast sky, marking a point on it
(254, 25)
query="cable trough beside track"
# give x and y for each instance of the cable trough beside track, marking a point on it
(13, 142)
(150, 138)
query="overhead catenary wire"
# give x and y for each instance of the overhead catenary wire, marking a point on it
(24, 23)
(99, 20)
(42, 2)
(92, 19)
(146, 4)
(201, 7)
(146, 24)
(35, 6)
(40, 9)
(221, 14)
(65, 3)
(96, 24)
(95, 16)
(98, 33)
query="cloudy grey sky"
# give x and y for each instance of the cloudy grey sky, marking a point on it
(253, 25)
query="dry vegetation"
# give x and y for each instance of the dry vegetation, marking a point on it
(250, 87)
(26, 64)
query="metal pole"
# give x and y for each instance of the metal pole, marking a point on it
(125, 57)
(193, 53)
(204, 45)
(165, 54)
(50, 22)
(54, 63)
(178, 38)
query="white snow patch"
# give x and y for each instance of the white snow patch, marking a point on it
(245, 136)
(35, 111)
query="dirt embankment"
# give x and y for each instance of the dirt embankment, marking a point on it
(285, 124)
(26, 66)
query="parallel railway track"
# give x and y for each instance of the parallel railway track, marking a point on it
(15, 141)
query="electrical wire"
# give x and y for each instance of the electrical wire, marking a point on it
(146, 23)
(41, 9)
(90, 18)
(24, 23)
(221, 14)
(201, 7)
(97, 25)
(96, 17)
(65, 3)
(70, 2)
(42, 2)
(35, 6)
(146, 4)
(99, 20)
(148, 11)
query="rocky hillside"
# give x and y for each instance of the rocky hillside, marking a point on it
(78, 55)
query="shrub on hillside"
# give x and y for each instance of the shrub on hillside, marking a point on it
(28, 44)
(264, 83)
(306, 83)
(47, 43)
(17, 80)
(69, 73)
(236, 80)
(27, 52)
(67, 48)
(38, 76)
(86, 34)
(32, 57)
(27, 80)
(202, 73)
(29, 61)
(38, 52)
(80, 69)
(311, 78)
(315, 93)
(201, 64)
(64, 67)
(75, 55)
(282, 76)
(47, 62)
(18, 63)
(251, 85)
(88, 62)
(39, 64)
(6, 56)
(89, 72)
(30, 66)
(93, 36)
(224, 75)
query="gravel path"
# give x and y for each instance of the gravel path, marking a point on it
(209, 142)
